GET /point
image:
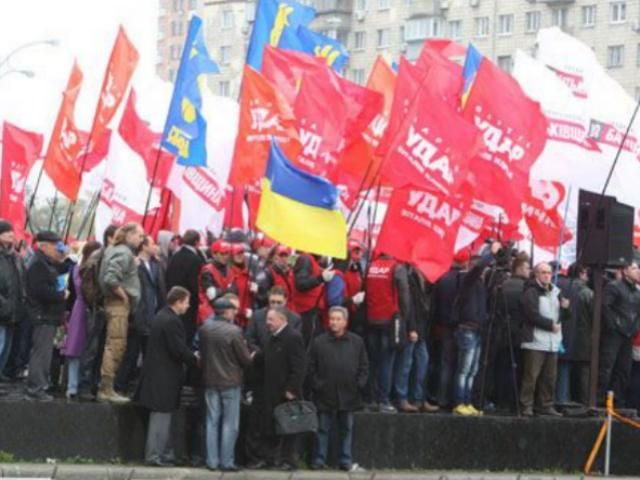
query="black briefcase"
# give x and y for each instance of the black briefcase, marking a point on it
(297, 416)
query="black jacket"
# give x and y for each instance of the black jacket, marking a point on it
(183, 270)
(162, 372)
(12, 288)
(444, 294)
(421, 298)
(257, 333)
(582, 310)
(620, 307)
(472, 295)
(512, 291)
(338, 371)
(45, 297)
(153, 292)
(284, 361)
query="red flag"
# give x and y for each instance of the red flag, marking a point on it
(443, 77)
(421, 228)
(20, 149)
(514, 131)
(446, 48)
(122, 63)
(64, 145)
(433, 147)
(263, 114)
(541, 213)
(97, 152)
(145, 142)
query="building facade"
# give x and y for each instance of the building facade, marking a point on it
(399, 27)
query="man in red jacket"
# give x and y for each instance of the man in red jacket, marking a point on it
(242, 284)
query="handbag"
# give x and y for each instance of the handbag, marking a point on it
(296, 416)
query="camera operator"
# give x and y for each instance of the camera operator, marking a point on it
(543, 308)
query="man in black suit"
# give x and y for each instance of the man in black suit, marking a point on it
(284, 369)
(257, 332)
(183, 270)
(163, 375)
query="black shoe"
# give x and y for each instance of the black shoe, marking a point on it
(318, 466)
(232, 468)
(345, 467)
(39, 397)
(260, 465)
(86, 397)
(287, 467)
(160, 463)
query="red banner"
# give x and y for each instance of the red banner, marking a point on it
(540, 210)
(65, 145)
(20, 149)
(421, 228)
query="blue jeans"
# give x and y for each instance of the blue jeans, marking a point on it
(73, 375)
(225, 405)
(381, 357)
(413, 355)
(345, 431)
(468, 343)
(6, 337)
(563, 382)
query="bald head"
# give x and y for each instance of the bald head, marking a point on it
(543, 273)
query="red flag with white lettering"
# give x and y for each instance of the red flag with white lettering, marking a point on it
(542, 216)
(64, 146)
(122, 63)
(20, 149)
(514, 131)
(421, 228)
(264, 114)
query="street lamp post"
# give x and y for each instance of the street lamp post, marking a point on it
(52, 42)
(26, 73)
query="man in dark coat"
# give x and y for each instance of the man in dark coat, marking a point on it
(162, 375)
(183, 270)
(338, 371)
(284, 369)
(46, 296)
(257, 332)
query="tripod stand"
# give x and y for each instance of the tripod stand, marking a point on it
(498, 303)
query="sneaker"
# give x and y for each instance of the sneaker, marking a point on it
(463, 410)
(386, 408)
(318, 466)
(474, 410)
(39, 397)
(527, 412)
(112, 397)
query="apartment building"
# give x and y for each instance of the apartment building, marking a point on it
(399, 27)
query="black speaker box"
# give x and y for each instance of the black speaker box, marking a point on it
(605, 230)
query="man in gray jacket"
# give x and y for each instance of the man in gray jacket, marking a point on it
(120, 286)
(223, 356)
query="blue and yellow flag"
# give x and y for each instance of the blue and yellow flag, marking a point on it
(305, 40)
(273, 18)
(299, 209)
(185, 131)
(471, 65)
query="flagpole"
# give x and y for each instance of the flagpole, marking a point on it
(33, 197)
(53, 209)
(91, 212)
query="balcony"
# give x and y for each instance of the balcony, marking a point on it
(333, 6)
(422, 8)
(552, 3)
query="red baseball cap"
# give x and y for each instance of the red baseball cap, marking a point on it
(237, 248)
(463, 256)
(283, 250)
(220, 246)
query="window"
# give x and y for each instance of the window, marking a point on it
(357, 75)
(618, 12)
(331, 33)
(588, 16)
(615, 56)
(177, 5)
(505, 24)
(227, 19)
(176, 28)
(224, 88)
(225, 54)
(505, 63)
(361, 5)
(359, 40)
(455, 29)
(384, 4)
(174, 52)
(172, 75)
(559, 17)
(250, 12)
(421, 28)
(532, 21)
(193, 4)
(638, 55)
(383, 40)
(482, 26)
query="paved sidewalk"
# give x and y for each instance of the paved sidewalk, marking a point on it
(112, 472)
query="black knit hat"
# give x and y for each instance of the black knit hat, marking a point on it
(222, 304)
(5, 227)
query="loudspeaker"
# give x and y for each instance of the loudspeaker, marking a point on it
(605, 230)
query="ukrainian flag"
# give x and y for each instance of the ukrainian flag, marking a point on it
(300, 210)
(471, 66)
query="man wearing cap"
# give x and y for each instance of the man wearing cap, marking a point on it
(183, 270)
(120, 285)
(242, 284)
(12, 290)
(278, 272)
(224, 356)
(353, 276)
(46, 295)
(215, 279)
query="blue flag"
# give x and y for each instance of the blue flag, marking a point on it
(273, 18)
(185, 131)
(305, 40)
(471, 65)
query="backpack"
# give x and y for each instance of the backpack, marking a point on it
(90, 273)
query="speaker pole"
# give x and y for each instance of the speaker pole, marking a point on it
(598, 273)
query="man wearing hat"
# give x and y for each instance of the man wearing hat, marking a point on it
(46, 294)
(277, 273)
(242, 284)
(11, 290)
(224, 356)
(215, 279)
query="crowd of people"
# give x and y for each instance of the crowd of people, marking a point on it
(249, 325)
